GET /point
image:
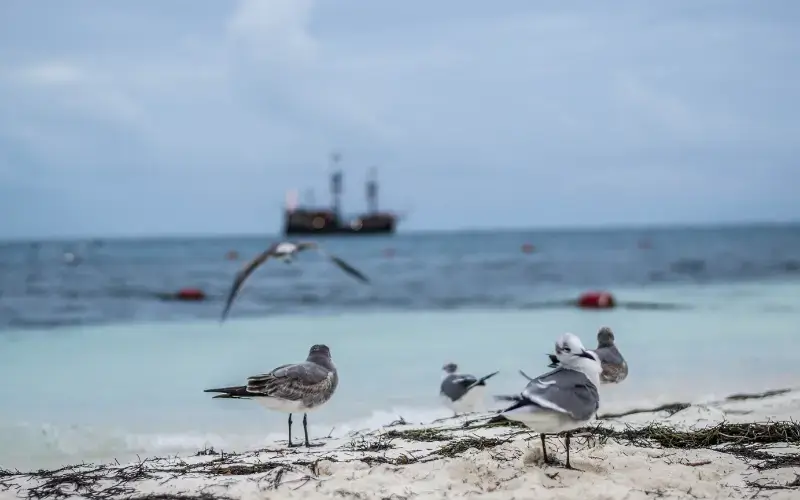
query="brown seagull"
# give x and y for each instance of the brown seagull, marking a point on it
(285, 251)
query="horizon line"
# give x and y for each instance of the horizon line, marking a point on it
(476, 229)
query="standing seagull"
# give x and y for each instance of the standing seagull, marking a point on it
(286, 251)
(615, 368)
(293, 388)
(462, 392)
(563, 399)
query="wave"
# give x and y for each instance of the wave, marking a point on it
(32, 446)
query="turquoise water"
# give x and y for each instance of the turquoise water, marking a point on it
(114, 391)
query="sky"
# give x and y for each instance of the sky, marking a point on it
(196, 116)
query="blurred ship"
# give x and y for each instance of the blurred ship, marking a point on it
(309, 220)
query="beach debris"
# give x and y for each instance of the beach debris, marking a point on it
(274, 469)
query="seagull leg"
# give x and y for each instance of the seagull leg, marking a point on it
(291, 444)
(544, 447)
(305, 431)
(566, 441)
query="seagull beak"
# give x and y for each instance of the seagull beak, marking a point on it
(585, 354)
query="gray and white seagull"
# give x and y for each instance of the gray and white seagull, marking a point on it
(294, 388)
(462, 392)
(615, 368)
(563, 399)
(286, 251)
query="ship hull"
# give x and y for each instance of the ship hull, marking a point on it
(338, 230)
(307, 222)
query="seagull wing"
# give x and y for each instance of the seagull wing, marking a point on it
(344, 266)
(292, 382)
(242, 275)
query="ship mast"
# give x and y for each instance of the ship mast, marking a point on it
(372, 190)
(336, 182)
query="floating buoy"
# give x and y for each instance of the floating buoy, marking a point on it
(528, 248)
(190, 294)
(596, 300)
(71, 259)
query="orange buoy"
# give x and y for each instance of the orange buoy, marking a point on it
(528, 248)
(596, 300)
(190, 294)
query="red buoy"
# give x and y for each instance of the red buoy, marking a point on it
(528, 248)
(596, 300)
(190, 294)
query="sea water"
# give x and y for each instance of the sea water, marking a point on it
(115, 391)
(122, 281)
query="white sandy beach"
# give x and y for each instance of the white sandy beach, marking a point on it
(445, 460)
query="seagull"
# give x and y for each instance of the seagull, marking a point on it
(286, 251)
(291, 388)
(615, 368)
(461, 392)
(563, 399)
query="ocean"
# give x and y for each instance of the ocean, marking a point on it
(98, 365)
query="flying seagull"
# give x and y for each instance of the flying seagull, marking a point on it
(286, 251)
(563, 399)
(292, 388)
(462, 392)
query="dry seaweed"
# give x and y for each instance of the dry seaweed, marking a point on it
(459, 446)
(179, 496)
(721, 434)
(670, 408)
(757, 395)
(423, 435)
(370, 443)
(790, 485)
(106, 482)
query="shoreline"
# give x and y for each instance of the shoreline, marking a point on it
(738, 447)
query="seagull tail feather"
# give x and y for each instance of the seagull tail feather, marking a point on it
(508, 398)
(235, 392)
(482, 380)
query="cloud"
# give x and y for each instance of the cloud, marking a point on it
(490, 112)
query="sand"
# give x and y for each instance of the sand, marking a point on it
(444, 459)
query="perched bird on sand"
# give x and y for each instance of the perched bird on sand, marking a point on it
(560, 400)
(286, 251)
(292, 388)
(462, 392)
(615, 368)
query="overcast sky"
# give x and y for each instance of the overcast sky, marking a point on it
(190, 116)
